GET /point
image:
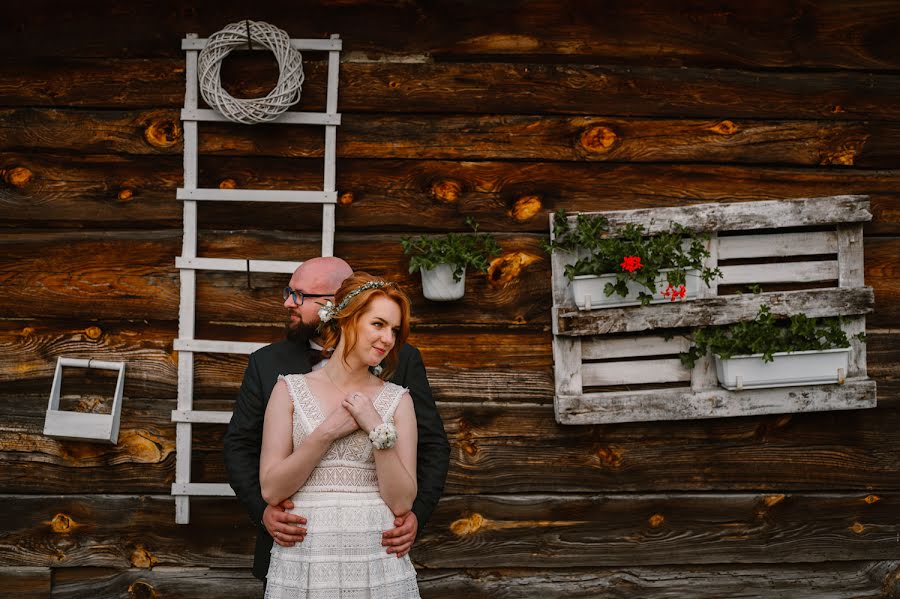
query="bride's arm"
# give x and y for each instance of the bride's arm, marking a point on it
(283, 469)
(396, 466)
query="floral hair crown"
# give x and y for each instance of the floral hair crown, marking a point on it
(329, 310)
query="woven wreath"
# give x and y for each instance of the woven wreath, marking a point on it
(249, 111)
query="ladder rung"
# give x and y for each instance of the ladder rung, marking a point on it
(317, 45)
(237, 265)
(257, 195)
(211, 489)
(216, 347)
(286, 118)
(205, 416)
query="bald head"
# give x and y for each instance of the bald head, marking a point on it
(322, 275)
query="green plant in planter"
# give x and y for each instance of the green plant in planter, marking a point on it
(632, 255)
(456, 249)
(767, 335)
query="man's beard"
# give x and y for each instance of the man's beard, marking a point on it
(299, 331)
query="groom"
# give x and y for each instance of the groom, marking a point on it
(313, 282)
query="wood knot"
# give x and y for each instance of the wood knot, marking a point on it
(610, 457)
(843, 157)
(163, 133)
(141, 589)
(870, 499)
(599, 139)
(62, 524)
(346, 198)
(772, 500)
(468, 526)
(525, 208)
(446, 190)
(141, 558)
(18, 176)
(858, 528)
(144, 448)
(837, 109)
(125, 195)
(469, 447)
(724, 128)
(393, 84)
(507, 267)
(227, 184)
(27, 331)
(93, 333)
(656, 520)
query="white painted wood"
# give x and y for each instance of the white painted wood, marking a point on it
(777, 245)
(685, 404)
(703, 374)
(714, 311)
(773, 214)
(567, 364)
(599, 348)
(202, 489)
(285, 118)
(560, 286)
(785, 272)
(257, 195)
(315, 45)
(237, 265)
(216, 347)
(205, 416)
(851, 273)
(81, 426)
(634, 372)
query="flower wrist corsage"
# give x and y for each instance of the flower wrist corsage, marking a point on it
(383, 436)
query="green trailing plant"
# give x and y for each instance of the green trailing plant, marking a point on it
(456, 249)
(767, 335)
(632, 255)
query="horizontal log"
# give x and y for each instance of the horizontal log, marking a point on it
(685, 404)
(837, 450)
(25, 583)
(715, 311)
(462, 137)
(484, 88)
(129, 192)
(829, 580)
(546, 531)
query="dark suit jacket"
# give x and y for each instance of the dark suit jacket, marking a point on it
(244, 437)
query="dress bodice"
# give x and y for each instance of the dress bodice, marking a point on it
(349, 463)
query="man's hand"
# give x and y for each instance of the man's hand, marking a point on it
(282, 526)
(399, 539)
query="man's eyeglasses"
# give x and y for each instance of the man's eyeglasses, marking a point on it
(288, 292)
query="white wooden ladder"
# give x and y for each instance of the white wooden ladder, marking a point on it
(189, 263)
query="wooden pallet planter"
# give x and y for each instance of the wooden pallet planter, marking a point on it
(621, 364)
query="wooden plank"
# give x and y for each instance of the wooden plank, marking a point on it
(797, 212)
(218, 347)
(205, 416)
(716, 311)
(634, 372)
(786, 272)
(200, 489)
(823, 37)
(25, 582)
(192, 42)
(285, 118)
(237, 265)
(851, 266)
(544, 531)
(484, 88)
(860, 144)
(172, 582)
(258, 195)
(680, 404)
(600, 348)
(829, 580)
(777, 245)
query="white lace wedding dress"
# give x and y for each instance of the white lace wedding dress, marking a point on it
(341, 556)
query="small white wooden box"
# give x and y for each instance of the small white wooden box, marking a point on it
(81, 426)
(788, 369)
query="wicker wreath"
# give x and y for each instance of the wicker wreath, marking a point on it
(250, 110)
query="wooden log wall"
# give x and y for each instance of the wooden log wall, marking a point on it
(504, 111)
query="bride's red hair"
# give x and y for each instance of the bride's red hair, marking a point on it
(344, 323)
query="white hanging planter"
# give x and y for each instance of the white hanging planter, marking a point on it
(81, 426)
(588, 290)
(438, 284)
(789, 369)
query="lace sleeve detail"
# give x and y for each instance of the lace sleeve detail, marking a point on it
(399, 392)
(293, 388)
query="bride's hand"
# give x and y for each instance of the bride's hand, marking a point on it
(362, 410)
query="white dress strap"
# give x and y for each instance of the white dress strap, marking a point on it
(296, 387)
(397, 394)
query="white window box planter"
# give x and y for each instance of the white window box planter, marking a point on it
(788, 369)
(438, 284)
(588, 290)
(82, 426)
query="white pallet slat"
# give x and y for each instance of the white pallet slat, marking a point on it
(188, 263)
(638, 345)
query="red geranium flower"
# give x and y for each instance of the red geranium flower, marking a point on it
(672, 292)
(631, 263)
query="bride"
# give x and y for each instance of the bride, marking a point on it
(341, 443)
